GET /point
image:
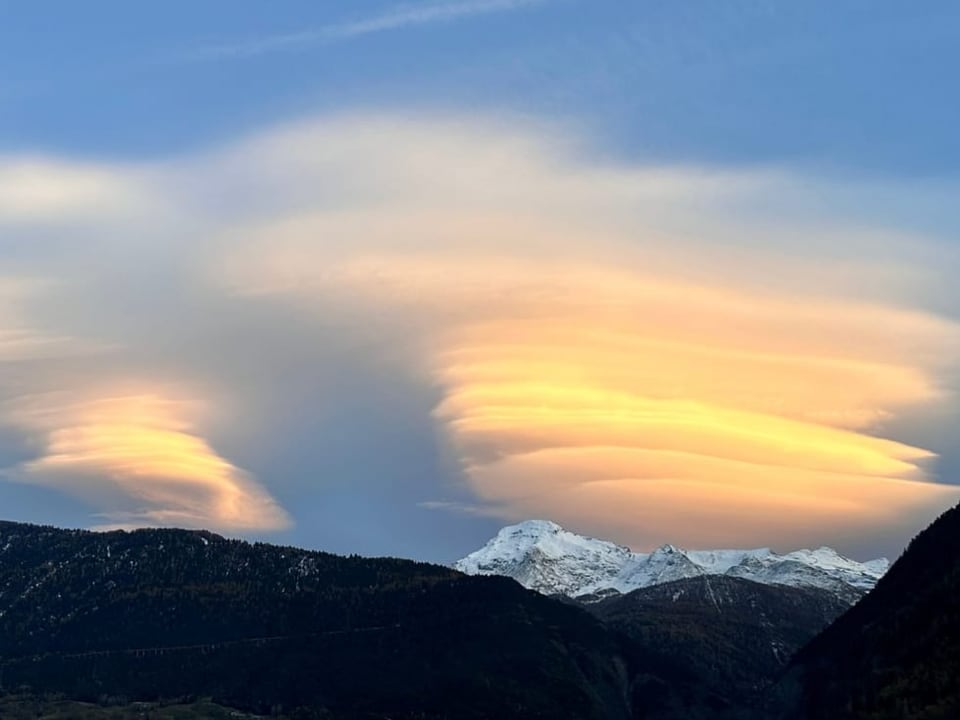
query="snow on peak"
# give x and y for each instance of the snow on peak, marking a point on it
(529, 531)
(878, 567)
(543, 556)
(534, 526)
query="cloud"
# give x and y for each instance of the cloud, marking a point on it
(140, 455)
(613, 355)
(21, 343)
(696, 355)
(38, 190)
(460, 508)
(395, 19)
(612, 399)
(132, 450)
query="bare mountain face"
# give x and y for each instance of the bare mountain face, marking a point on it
(542, 556)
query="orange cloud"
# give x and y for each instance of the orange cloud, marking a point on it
(145, 447)
(656, 409)
(642, 353)
(648, 353)
(686, 413)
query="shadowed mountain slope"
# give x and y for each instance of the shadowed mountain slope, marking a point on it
(896, 654)
(182, 614)
(712, 645)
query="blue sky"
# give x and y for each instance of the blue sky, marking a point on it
(854, 86)
(177, 174)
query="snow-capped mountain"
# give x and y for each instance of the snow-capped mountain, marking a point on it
(542, 556)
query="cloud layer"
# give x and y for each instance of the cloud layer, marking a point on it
(685, 354)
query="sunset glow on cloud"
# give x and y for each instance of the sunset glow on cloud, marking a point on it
(603, 398)
(139, 454)
(673, 411)
(641, 353)
(604, 380)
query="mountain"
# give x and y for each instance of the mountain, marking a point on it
(156, 614)
(187, 617)
(896, 654)
(709, 646)
(542, 556)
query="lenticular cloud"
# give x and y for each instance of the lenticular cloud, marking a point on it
(642, 352)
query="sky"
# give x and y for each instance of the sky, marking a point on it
(382, 277)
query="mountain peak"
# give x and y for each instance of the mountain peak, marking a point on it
(668, 549)
(543, 556)
(531, 528)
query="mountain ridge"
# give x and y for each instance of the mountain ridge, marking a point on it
(163, 613)
(543, 556)
(178, 615)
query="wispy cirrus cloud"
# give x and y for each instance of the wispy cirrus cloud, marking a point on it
(402, 16)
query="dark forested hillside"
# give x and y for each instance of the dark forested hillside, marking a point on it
(712, 645)
(180, 616)
(170, 613)
(895, 655)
